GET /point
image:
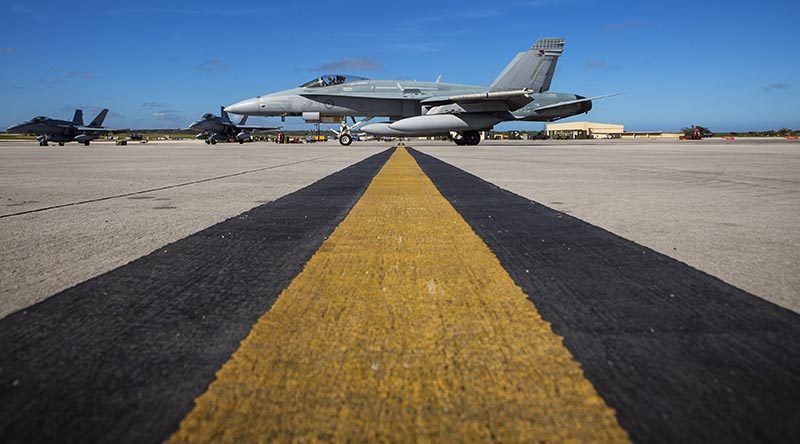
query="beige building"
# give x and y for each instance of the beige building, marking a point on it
(584, 130)
(651, 135)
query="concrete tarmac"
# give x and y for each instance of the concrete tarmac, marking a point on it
(729, 209)
(106, 216)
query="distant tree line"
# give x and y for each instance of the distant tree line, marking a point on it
(783, 132)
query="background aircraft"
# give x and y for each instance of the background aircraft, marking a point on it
(221, 128)
(430, 108)
(62, 131)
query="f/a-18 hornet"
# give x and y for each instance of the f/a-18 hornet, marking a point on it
(62, 131)
(519, 93)
(220, 128)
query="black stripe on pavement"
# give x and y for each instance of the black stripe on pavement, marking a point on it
(680, 355)
(121, 357)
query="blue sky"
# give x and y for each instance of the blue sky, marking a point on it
(729, 65)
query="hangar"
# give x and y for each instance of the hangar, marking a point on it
(584, 130)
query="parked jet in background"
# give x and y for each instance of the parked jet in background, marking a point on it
(221, 128)
(430, 108)
(62, 131)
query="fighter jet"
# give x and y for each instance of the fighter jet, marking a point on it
(519, 93)
(62, 131)
(220, 128)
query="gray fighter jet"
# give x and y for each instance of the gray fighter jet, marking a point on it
(220, 128)
(62, 131)
(520, 93)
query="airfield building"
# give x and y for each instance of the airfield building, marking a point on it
(584, 130)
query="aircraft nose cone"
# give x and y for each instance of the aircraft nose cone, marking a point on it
(244, 108)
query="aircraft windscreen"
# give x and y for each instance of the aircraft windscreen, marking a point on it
(207, 116)
(330, 80)
(39, 119)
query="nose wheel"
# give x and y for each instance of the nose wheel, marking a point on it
(344, 134)
(345, 139)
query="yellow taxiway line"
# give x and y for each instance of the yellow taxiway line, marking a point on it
(402, 327)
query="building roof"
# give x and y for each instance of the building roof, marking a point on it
(585, 126)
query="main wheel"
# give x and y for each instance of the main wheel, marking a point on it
(460, 140)
(345, 139)
(472, 137)
(60, 143)
(213, 141)
(86, 143)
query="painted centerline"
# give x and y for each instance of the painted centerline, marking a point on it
(402, 327)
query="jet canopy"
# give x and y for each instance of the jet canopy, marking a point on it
(39, 119)
(207, 116)
(330, 80)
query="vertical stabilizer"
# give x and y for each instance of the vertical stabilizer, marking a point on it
(532, 69)
(224, 114)
(77, 119)
(98, 121)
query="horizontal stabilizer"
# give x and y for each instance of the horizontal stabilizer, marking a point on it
(573, 102)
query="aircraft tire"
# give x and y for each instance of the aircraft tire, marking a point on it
(345, 139)
(86, 143)
(472, 137)
(460, 140)
(60, 143)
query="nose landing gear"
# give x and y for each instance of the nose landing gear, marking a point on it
(344, 134)
(345, 139)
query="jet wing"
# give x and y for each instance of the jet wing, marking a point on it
(510, 100)
(573, 102)
(100, 130)
(258, 128)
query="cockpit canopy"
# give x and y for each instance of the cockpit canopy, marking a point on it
(330, 80)
(38, 119)
(207, 116)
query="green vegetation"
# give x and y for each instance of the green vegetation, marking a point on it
(7, 136)
(783, 132)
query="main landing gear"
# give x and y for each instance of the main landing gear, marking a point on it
(467, 138)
